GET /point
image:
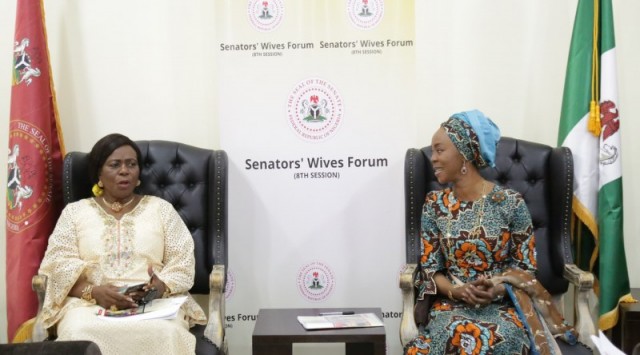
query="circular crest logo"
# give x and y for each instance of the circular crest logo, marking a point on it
(365, 14)
(265, 15)
(230, 287)
(315, 281)
(314, 109)
(30, 176)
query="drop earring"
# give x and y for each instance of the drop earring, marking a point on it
(464, 170)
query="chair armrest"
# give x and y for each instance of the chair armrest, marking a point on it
(408, 328)
(583, 282)
(39, 285)
(214, 331)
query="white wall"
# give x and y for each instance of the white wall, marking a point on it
(147, 68)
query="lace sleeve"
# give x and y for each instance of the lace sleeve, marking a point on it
(179, 261)
(61, 264)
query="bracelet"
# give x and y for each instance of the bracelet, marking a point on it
(86, 294)
(499, 296)
(450, 293)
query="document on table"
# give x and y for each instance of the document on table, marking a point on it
(604, 346)
(161, 308)
(359, 320)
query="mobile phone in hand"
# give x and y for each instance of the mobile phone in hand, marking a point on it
(125, 290)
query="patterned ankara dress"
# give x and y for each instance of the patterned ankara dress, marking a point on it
(454, 244)
(88, 241)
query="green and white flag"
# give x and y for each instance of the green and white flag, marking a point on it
(590, 127)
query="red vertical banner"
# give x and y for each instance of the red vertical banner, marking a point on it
(34, 186)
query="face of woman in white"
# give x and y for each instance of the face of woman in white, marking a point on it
(445, 158)
(120, 174)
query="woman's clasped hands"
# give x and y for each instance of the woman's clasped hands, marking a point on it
(478, 293)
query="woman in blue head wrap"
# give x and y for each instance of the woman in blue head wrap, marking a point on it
(472, 233)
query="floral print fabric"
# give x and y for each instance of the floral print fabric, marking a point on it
(466, 240)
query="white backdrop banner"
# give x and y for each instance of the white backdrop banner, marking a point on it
(315, 104)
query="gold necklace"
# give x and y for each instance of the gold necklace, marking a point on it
(478, 225)
(117, 206)
(477, 230)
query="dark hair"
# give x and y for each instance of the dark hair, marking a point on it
(103, 149)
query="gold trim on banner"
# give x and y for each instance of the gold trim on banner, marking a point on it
(593, 125)
(54, 101)
(585, 216)
(610, 319)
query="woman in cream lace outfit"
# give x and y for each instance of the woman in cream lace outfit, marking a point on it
(114, 239)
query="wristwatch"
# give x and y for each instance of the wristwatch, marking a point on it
(86, 294)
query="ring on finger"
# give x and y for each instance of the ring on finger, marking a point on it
(113, 308)
(477, 305)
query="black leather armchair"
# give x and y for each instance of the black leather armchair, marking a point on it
(51, 348)
(194, 180)
(544, 177)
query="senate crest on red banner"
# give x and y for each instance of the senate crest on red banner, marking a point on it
(29, 176)
(23, 71)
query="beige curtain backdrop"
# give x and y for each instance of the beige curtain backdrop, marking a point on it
(147, 68)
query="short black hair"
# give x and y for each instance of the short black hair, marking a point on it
(103, 149)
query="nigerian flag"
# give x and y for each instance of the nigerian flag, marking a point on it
(590, 127)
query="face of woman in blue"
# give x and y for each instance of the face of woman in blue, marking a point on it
(445, 158)
(120, 174)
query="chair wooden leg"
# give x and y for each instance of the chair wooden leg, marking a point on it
(408, 329)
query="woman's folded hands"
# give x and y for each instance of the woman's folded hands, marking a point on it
(480, 292)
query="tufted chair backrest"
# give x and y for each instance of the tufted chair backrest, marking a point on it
(544, 177)
(193, 180)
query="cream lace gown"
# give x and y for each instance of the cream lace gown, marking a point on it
(89, 241)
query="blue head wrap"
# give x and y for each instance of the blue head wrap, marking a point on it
(475, 136)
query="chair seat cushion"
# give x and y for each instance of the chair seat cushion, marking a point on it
(577, 349)
(203, 345)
